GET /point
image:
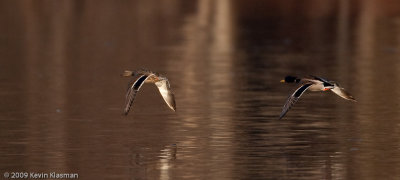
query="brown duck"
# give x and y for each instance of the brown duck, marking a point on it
(146, 76)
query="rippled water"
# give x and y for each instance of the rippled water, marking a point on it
(62, 95)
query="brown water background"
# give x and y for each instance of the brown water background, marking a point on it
(61, 94)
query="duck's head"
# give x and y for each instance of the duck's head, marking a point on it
(127, 73)
(290, 79)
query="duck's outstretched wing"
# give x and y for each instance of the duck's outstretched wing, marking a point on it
(132, 90)
(342, 93)
(326, 82)
(319, 78)
(293, 99)
(166, 93)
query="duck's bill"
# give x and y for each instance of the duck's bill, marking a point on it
(282, 81)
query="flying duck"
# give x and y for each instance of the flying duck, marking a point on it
(313, 84)
(147, 76)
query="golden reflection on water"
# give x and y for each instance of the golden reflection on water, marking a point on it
(167, 155)
(372, 108)
(208, 45)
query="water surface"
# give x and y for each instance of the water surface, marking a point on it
(62, 96)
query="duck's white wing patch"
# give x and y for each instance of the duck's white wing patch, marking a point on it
(293, 99)
(342, 93)
(166, 93)
(132, 90)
